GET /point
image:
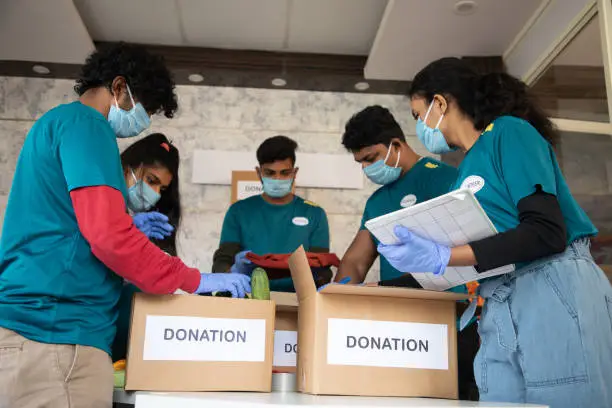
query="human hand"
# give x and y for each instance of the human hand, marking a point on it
(237, 284)
(153, 224)
(342, 281)
(415, 254)
(241, 264)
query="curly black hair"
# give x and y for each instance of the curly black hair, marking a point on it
(147, 76)
(371, 126)
(483, 98)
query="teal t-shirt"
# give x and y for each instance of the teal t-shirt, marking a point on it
(504, 166)
(52, 288)
(427, 179)
(265, 228)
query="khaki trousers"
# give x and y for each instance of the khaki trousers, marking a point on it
(40, 375)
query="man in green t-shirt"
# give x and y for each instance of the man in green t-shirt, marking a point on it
(379, 145)
(275, 222)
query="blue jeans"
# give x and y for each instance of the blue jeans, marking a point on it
(546, 334)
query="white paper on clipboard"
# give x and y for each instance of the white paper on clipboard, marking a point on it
(453, 219)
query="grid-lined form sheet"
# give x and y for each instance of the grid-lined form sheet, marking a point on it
(453, 219)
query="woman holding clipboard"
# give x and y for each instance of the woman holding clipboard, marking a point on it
(546, 328)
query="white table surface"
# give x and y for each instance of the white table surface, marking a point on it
(277, 399)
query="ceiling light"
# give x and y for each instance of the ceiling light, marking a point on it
(195, 78)
(465, 7)
(362, 86)
(41, 69)
(279, 82)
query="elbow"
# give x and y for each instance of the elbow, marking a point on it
(558, 241)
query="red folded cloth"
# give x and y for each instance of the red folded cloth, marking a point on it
(281, 261)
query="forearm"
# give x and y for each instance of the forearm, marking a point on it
(223, 258)
(541, 232)
(116, 242)
(353, 269)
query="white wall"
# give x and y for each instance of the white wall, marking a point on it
(225, 119)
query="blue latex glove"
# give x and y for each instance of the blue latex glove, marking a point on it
(153, 224)
(241, 264)
(415, 254)
(342, 281)
(239, 285)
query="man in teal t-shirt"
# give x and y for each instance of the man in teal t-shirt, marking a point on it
(378, 143)
(58, 297)
(275, 222)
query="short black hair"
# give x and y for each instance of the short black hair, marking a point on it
(276, 148)
(147, 76)
(371, 126)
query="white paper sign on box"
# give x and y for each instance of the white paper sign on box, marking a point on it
(387, 344)
(187, 338)
(248, 189)
(285, 348)
(452, 219)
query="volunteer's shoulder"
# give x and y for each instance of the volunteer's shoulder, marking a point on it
(432, 165)
(310, 206)
(83, 118)
(510, 131)
(246, 204)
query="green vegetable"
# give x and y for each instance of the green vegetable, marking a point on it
(260, 285)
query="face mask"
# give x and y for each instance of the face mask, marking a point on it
(380, 173)
(128, 123)
(141, 197)
(433, 139)
(277, 188)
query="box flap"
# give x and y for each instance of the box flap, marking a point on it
(301, 274)
(286, 302)
(387, 291)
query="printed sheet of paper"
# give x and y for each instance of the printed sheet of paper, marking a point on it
(453, 219)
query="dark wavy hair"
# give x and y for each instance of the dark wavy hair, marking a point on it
(371, 126)
(156, 150)
(483, 98)
(147, 76)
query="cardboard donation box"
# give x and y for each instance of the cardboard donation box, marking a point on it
(374, 341)
(285, 332)
(200, 343)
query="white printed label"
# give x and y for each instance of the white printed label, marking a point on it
(248, 189)
(474, 183)
(186, 338)
(300, 221)
(387, 344)
(408, 201)
(285, 348)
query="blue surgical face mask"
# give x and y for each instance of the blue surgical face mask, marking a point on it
(381, 173)
(432, 138)
(141, 197)
(276, 188)
(128, 123)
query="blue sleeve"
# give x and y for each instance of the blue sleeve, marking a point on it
(230, 232)
(525, 159)
(89, 155)
(319, 237)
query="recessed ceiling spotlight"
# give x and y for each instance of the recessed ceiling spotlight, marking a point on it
(41, 69)
(465, 7)
(195, 78)
(279, 82)
(362, 86)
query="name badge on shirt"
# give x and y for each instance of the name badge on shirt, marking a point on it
(474, 183)
(408, 201)
(300, 221)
